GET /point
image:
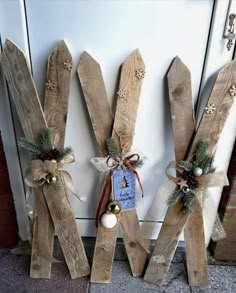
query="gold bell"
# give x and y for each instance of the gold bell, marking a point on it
(114, 207)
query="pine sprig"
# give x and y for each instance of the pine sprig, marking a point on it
(46, 138)
(189, 201)
(112, 148)
(33, 150)
(185, 165)
(174, 197)
(64, 152)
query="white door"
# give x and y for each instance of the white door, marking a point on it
(109, 31)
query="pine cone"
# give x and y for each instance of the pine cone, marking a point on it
(191, 181)
(49, 155)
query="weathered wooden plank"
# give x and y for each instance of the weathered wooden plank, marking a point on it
(181, 106)
(128, 100)
(123, 132)
(183, 123)
(26, 99)
(23, 91)
(95, 95)
(210, 128)
(57, 91)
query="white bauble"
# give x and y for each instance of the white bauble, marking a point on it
(197, 171)
(108, 220)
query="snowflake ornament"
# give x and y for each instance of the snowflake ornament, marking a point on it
(140, 73)
(232, 91)
(210, 109)
(122, 93)
(51, 85)
(68, 65)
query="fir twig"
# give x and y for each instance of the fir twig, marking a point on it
(33, 150)
(189, 201)
(185, 165)
(46, 138)
(174, 197)
(112, 148)
(64, 152)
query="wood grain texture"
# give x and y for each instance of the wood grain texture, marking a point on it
(99, 110)
(95, 95)
(135, 244)
(181, 105)
(56, 98)
(123, 132)
(126, 108)
(210, 128)
(26, 99)
(180, 95)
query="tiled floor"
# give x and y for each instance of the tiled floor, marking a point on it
(14, 278)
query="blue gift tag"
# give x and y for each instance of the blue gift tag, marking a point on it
(124, 188)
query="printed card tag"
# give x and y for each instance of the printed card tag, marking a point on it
(124, 188)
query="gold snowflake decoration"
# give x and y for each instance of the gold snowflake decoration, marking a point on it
(232, 91)
(210, 109)
(51, 85)
(122, 93)
(140, 73)
(68, 65)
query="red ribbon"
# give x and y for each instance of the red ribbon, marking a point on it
(127, 162)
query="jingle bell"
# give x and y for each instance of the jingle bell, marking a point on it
(114, 207)
(108, 220)
(197, 171)
(51, 179)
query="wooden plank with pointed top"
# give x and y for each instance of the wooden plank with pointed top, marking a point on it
(180, 94)
(95, 95)
(26, 98)
(210, 128)
(57, 91)
(123, 132)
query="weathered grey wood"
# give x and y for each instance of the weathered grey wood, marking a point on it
(56, 98)
(26, 100)
(99, 110)
(123, 131)
(25, 97)
(95, 95)
(180, 94)
(210, 128)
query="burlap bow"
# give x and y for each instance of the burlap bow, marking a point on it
(41, 171)
(159, 202)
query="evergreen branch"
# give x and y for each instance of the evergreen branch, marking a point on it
(46, 139)
(112, 148)
(185, 165)
(189, 202)
(64, 152)
(174, 197)
(32, 150)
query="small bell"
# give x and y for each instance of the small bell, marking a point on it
(185, 189)
(114, 207)
(108, 220)
(51, 179)
(197, 171)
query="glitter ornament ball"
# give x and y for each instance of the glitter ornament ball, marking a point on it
(197, 171)
(114, 207)
(108, 220)
(186, 189)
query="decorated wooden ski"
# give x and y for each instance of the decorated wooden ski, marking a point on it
(52, 210)
(210, 128)
(92, 83)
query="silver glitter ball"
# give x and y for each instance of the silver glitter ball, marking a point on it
(197, 171)
(185, 189)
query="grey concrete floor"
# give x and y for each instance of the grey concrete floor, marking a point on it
(14, 278)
